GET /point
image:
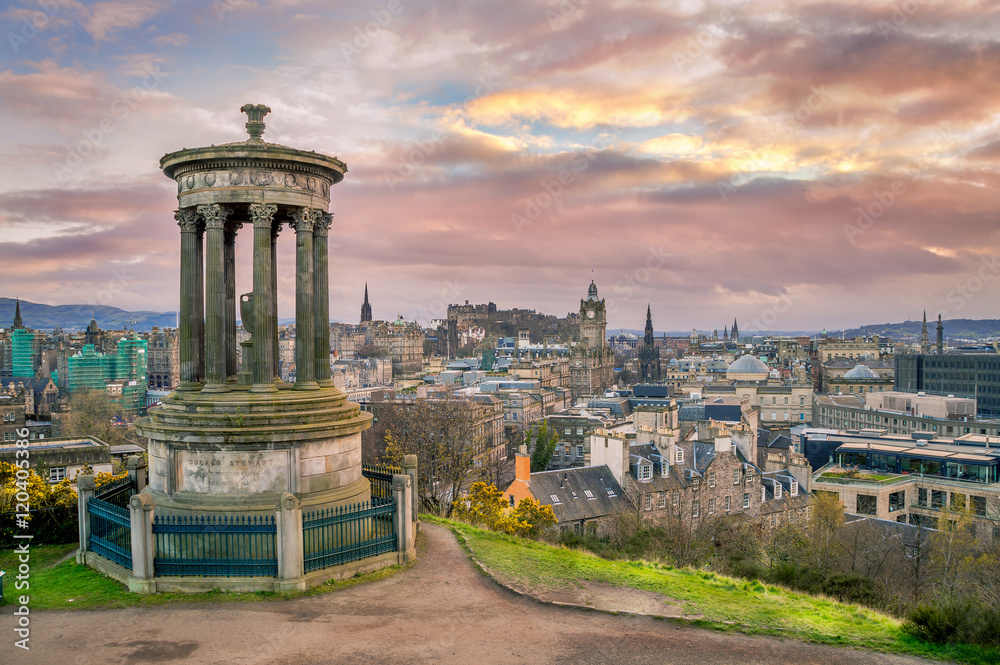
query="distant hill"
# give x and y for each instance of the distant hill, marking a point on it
(972, 329)
(77, 317)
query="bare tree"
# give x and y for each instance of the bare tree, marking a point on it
(447, 435)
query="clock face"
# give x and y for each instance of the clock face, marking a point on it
(590, 314)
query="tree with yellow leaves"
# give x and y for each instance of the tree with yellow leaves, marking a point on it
(485, 506)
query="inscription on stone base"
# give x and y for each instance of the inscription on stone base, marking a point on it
(225, 472)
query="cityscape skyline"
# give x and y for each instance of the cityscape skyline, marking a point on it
(805, 165)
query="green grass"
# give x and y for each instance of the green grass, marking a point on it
(870, 477)
(69, 585)
(725, 603)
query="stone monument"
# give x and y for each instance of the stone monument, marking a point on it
(237, 441)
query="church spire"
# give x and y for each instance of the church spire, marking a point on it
(366, 308)
(18, 324)
(736, 331)
(940, 336)
(925, 343)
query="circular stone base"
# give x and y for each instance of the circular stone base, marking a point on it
(239, 451)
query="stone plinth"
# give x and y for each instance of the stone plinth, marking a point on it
(240, 451)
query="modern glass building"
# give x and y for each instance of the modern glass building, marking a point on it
(973, 375)
(122, 374)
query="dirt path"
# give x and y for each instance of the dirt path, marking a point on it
(442, 610)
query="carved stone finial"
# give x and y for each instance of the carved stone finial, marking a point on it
(255, 121)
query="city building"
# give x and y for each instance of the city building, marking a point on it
(121, 374)
(902, 413)
(56, 459)
(592, 363)
(914, 479)
(973, 373)
(163, 359)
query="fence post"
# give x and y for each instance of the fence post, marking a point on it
(136, 472)
(84, 490)
(402, 495)
(410, 468)
(141, 520)
(288, 537)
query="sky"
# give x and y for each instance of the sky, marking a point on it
(792, 165)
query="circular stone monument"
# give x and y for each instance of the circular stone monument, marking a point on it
(236, 441)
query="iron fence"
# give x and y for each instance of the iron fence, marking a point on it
(222, 545)
(339, 535)
(117, 492)
(380, 478)
(110, 531)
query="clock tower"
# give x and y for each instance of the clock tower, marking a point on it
(593, 319)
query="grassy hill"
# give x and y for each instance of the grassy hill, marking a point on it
(972, 329)
(723, 603)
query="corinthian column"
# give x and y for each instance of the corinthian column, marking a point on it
(199, 294)
(321, 296)
(188, 303)
(215, 311)
(265, 330)
(229, 332)
(272, 303)
(303, 221)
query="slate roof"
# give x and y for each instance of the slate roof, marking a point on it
(570, 488)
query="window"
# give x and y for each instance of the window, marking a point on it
(774, 400)
(588, 494)
(711, 478)
(937, 499)
(897, 501)
(569, 430)
(579, 451)
(749, 475)
(777, 490)
(679, 456)
(729, 503)
(802, 401)
(736, 476)
(645, 472)
(554, 497)
(922, 496)
(786, 400)
(579, 431)
(746, 499)
(867, 504)
(676, 497)
(511, 500)
(648, 501)
(56, 474)
(513, 416)
(794, 489)
(763, 494)
(695, 507)
(711, 506)
(662, 500)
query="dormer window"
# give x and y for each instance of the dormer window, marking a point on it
(777, 490)
(644, 472)
(679, 456)
(794, 489)
(763, 494)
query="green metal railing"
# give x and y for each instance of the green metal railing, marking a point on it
(110, 532)
(222, 545)
(339, 535)
(117, 492)
(380, 478)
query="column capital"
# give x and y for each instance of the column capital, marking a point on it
(262, 214)
(322, 227)
(304, 219)
(187, 219)
(214, 215)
